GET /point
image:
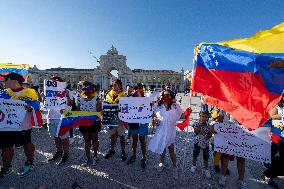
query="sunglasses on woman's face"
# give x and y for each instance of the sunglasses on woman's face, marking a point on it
(166, 94)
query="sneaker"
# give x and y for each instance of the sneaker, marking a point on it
(175, 173)
(222, 180)
(123, 156)
(143, 163)
(216, 168)
(56, 156)
(63, 159)
(5, 171)
(242, 184)
(161, 167)
(28, 167)
(95, 161)
(207, 173)
(109, 154)
(193, 169)
(131, 160)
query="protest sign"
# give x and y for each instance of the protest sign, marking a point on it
(236, 140)
(135, 109)
(110, 115)
(12, 113)
(55, 94)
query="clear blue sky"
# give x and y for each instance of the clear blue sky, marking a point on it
(152, 34)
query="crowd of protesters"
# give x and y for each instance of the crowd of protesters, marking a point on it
(167, 112)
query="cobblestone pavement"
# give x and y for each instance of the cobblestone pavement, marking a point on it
(113, 173)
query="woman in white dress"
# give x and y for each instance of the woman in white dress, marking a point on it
(166, 116)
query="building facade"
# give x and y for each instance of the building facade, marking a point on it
(101, 75)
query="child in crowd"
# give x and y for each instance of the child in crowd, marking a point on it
(90, 102)
(166, 116)
(201, 141)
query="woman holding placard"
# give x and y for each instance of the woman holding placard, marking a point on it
(89, 102)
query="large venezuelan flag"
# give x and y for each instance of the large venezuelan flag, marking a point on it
(72, 119)
(244, 77)
(6, 68)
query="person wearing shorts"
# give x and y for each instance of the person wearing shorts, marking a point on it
(61, 142)
(91, 103)
(19, 136)
(138, 131)
(119, 131)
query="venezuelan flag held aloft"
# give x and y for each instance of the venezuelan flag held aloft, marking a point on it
(244, 77)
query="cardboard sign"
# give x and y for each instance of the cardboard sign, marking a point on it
(135, 109)
(55, 94)
(236, 140)
(110, 115)
(12, 113)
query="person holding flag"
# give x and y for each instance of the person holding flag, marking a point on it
(113, 98)
(90, 102)
(18, 136)
(53, 120)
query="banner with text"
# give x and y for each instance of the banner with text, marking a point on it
(55, 94)
(12, 113)
(236, 140)
(135, 109)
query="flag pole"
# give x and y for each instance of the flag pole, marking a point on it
(187, 134)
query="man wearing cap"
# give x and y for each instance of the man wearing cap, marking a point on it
(18, 136)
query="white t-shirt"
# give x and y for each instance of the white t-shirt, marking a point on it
(88, 105)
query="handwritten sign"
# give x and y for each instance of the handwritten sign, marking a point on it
(236, 140)
(110, 115)
(12, 113)
(135, 109)
(55, 94)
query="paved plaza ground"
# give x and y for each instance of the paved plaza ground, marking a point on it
(113, 173)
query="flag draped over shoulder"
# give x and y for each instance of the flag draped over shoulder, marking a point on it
(72, 119)
(244, 77)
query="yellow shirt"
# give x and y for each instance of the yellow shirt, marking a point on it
(113, 96)
(25, 94)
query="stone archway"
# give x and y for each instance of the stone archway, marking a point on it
(112, 61)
